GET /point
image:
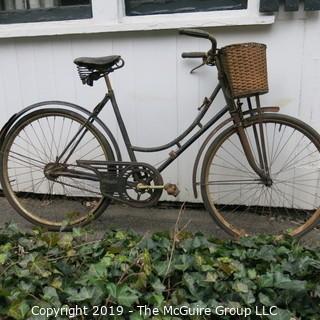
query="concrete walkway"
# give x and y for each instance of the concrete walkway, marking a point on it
(154, 219)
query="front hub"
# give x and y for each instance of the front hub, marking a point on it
(51, 170)
(268, 182)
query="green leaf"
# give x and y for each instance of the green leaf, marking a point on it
(26, 286)
(50, 295)
(83, 295)
(161, 267)
(281, 315)
(97, 271)
(252, 274)
(5, 248)
(283, 282)
(3, 258)
(211, 277)
(266, 280)
(40, 266)
(65, 241)
(240, 287)
(158, 286)
(124, 295)
(265, 300)
(154, 299)
(136, 316)
(18, 310)
(51, 269)
(317, 291)
(183, 262)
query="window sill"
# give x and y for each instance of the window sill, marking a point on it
(140, 23)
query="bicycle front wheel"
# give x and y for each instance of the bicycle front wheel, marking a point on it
(237, 198)
(31, 148)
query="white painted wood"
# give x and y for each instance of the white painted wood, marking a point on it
(34, 4)
(20, 4)
(156, 93)
(105, 12)
(9, 4)
(47, 3)
(109, 16)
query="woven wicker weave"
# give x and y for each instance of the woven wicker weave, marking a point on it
(245, 66)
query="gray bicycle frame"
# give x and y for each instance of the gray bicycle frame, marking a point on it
(231, 107)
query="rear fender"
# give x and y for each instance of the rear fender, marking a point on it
(5, 129)
(211, 136)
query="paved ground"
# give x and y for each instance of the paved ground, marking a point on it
(155, 219)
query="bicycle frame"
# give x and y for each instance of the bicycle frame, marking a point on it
(131, 149)
(236, 117)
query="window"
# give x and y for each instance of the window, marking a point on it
(146, 7)
(123, 15)
(18, 11)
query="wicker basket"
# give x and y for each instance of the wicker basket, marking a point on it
(245, 66)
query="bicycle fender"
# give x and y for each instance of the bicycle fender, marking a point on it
(210, 137)
(5, 129)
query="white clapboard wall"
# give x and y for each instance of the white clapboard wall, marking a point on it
(156, 94)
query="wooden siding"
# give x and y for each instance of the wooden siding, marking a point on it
(157, 95)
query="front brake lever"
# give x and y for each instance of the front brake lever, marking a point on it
(201, 65)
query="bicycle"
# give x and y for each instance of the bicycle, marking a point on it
(60, 171)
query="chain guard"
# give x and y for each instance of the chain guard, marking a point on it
(119, 180)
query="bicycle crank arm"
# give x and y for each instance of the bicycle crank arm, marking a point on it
(171, 189)
(142, 186)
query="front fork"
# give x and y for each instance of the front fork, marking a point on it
(259, 138)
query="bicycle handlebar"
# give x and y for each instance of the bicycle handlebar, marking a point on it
(201, 34)
(194, 55)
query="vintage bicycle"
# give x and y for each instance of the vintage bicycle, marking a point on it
(62, 166)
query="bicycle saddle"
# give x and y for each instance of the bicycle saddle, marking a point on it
(100, 64)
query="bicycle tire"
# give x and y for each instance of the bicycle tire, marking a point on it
(35, 138)
(285, 211)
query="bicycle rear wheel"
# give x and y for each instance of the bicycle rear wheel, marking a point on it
(31, 147)
(241, 203)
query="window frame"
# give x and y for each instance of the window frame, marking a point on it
(108, 16)
(61, 13)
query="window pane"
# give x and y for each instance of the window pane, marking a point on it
(20, 11)
(144, 7)
(10, 5)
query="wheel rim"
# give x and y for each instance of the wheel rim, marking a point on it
(234, 193)
(35, 144)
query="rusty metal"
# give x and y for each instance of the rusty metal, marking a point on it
(172, 189)
(141, 186)
(118, 179)
(173, 154)
(212, 134)
(306, 225)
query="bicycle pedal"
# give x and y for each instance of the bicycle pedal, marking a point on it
(172, 189)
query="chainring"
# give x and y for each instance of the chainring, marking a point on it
(137, 174)
(119, 181)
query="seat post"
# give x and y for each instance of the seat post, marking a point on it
(108, 82)
(119, 119)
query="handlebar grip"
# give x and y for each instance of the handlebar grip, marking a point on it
(195, 33)
(200, 34)
(194, 55)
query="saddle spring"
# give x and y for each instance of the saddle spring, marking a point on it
(88, 76)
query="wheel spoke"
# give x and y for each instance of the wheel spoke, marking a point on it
(292, 190)
(30, 156)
